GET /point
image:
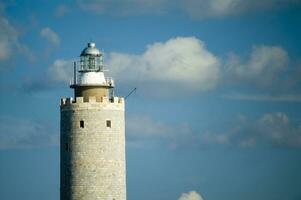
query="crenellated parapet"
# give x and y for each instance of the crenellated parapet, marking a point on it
(77, 100)
(91, 102)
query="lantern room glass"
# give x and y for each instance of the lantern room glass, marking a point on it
(91, 63)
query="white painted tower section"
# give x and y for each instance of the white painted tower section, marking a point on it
(92, 139)
(92, 78)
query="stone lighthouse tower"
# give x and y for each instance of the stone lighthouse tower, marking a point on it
(92, 134)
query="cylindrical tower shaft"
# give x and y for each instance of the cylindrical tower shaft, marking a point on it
(93, 150)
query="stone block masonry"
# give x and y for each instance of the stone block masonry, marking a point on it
(93, 149)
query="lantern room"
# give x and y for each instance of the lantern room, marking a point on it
(89, 75)
(91, 59)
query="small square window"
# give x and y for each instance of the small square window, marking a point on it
(82, 124)
(109, 124)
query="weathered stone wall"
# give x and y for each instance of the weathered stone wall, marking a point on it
(93, 156)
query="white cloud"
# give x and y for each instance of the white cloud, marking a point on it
(50, 35)
(23, 133)
(10, 46)
(192, 195)
(124, 7)
(264, 97)
(179, 64)
(220, 8)
(61, 10)
(8, 39)
(143, 131)
(263, 67)
(58, 74)
(60, 71)
(193, 8)
(211, 8)
(277, 128)
(247, 142)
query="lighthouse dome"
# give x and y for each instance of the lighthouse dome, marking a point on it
(90, 50)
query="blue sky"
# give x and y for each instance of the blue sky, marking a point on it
(216, 114)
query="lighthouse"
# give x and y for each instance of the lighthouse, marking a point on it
(92, 139)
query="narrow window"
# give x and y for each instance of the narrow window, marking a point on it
(66, 146)
(109, 123)
(82, 124)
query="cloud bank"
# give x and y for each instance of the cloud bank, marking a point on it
(181, 64)
(264, 97)
(184, 66)
(144, 131)
(194, 8)
(58, 74)
(22, 133)
(277, 128)
(270, 129)
(221, 8)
